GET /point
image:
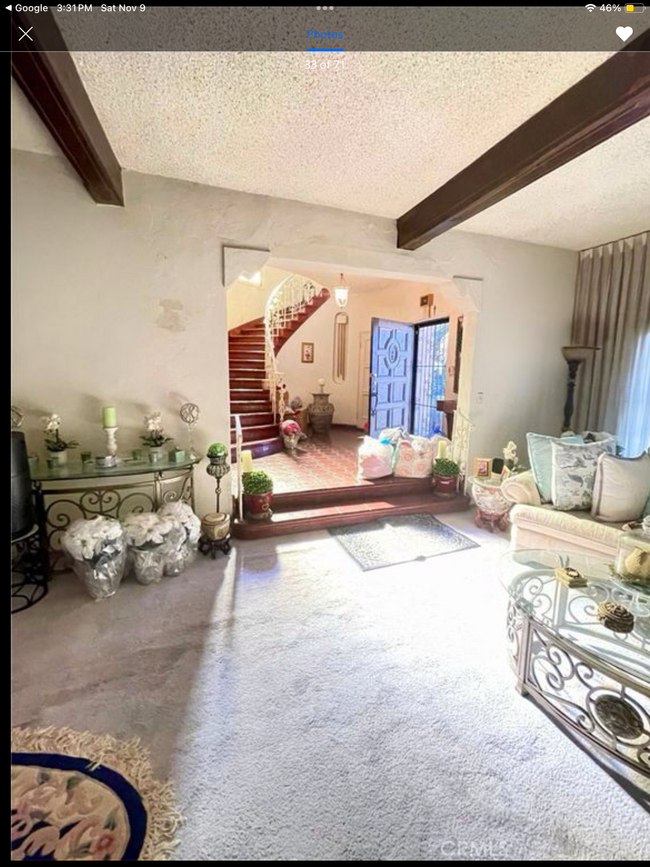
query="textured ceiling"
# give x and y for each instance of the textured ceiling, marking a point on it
(375, 137)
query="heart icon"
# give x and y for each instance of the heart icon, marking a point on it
(624, 33)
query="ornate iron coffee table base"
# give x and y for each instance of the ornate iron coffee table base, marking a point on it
(211, 546)
(591, 696)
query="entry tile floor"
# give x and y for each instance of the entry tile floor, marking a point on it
(323, 461)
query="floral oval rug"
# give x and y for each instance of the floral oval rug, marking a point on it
(82, 807)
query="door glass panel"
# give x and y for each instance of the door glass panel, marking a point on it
(430, 376)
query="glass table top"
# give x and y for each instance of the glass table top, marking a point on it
(89, 470)
(571, 613)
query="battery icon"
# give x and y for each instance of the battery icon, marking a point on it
(634, 7)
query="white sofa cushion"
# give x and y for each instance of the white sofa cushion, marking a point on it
(621, 488)
(544, 527)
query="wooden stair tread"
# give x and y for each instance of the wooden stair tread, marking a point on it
(319, 516)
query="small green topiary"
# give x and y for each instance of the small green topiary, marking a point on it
(217, 450)
(257, 482)
(445, 467)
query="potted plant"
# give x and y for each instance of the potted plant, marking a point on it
(217, 453)
(155, 437)
(56, 446)
(445, 476)
(258, 494)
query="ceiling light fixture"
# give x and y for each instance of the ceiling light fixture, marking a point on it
(341, 293)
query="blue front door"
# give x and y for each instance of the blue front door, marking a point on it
(391, 375)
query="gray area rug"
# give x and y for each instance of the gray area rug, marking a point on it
(389, 541)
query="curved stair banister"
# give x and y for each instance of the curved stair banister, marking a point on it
(285, 305)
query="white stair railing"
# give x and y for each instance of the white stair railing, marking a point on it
(284, 305)
(463, 428)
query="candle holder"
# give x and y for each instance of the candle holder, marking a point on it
(218, 468)
(111, 441)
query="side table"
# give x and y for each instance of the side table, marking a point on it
(492, 508)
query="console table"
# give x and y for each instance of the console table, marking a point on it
(75, 490)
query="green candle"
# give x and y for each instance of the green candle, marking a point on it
(109, 416)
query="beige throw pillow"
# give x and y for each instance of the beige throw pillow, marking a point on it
(621, 488)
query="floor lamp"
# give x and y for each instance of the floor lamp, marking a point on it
(574, 356)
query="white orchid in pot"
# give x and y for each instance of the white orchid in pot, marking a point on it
(54, 442)
(511, 460)
(185, 552)
(97, 549)
(155, 436)
(151, 538)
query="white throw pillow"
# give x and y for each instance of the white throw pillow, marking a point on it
(621, 488)
(573, 473)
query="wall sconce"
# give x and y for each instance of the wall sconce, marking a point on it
(341, 293)
(574, 356)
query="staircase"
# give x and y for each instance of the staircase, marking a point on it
(303, 511)
(250, 383)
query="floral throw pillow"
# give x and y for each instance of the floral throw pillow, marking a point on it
(573, 474)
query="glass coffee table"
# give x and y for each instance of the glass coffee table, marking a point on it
(586, 674)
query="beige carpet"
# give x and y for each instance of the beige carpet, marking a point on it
(307, 710)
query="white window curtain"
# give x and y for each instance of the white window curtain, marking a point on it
(612, 311)
(633, 431)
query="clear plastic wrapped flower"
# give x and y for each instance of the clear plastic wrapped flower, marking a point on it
(97, 549)
(152, 539)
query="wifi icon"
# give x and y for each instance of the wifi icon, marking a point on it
(590, 7)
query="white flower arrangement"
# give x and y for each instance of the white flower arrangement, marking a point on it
(51, 423)
(90, 539)
(510, 457)
(155, 436)
(183, 513)
(147, 530)
(53, 442)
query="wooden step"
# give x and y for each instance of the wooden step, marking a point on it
(247, 393)
(246, 382)
(257, 432)
(243, 346)
(252, 354)
(319, 516)
(250, 419)
(242, 407)
(260, 448)
(240, 366)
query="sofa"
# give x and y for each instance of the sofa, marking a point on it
(539, 525)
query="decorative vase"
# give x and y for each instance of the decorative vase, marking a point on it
(258, 506)
(59, 458)
(215, 525)
(321, 412)
(156, 454)
(445, 486)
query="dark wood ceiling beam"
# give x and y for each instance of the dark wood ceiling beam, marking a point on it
(50, 81)
(608, 100)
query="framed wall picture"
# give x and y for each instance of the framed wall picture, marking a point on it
(482, 468)
(307, 353)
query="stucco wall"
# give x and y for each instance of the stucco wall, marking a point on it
(127, 306)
